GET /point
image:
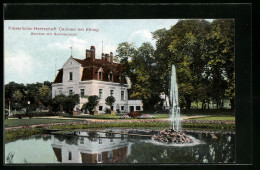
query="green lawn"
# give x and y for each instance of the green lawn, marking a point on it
(34, 121)
(224, 118)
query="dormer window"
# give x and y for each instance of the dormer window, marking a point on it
(100, 71)
(100, 75)
(110, 77)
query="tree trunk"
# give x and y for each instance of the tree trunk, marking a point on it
(188, 104)
(232, 103)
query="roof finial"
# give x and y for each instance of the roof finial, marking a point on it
(71, 50)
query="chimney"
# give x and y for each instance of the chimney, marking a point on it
(107, 57)
(111, 57)
(88, 53)
(92, 51)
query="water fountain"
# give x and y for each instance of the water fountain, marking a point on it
(173, 135)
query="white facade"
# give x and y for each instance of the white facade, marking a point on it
(102, 149)
(71, 83)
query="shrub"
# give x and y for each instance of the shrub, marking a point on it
(110, 100)
(134, 114)
(92, 103)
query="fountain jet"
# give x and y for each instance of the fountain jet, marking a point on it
(174, 102)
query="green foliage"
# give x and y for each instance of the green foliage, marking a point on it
(203, 54)
(35, 121)
(110, 100)
(92, 103)
(65, 103)
(12, 135)
(140, 67)
(114, 125)
(44, 95)
(17, 96)
(30, 93)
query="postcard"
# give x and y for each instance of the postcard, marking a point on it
(119, 91)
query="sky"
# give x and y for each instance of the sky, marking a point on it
(30, 58)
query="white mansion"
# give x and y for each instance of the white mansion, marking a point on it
(101, 77)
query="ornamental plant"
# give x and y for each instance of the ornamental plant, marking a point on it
(134, 114)
(110, 100)
(92, 102)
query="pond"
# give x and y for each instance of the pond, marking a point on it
(108, 146)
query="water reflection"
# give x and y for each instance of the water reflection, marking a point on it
(95, 147)
(218, 150)
(91, 147)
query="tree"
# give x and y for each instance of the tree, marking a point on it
(10, 88)
(44, 95)
(32, 94)
(221, 59)
(125, 52)
(92, 103)
(145, 76)
(110, 100)
(17, 97)
(184, 46)
(65, 103)
(70, 102)
(58, 102)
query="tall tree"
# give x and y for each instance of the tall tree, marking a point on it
(221, 59)
(44, 95)
(183, 45)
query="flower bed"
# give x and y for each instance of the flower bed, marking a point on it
(136, 115)
(146, 116)
(124, 117)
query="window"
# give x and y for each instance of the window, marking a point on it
(137, 108)
(71, 76)
(60, 91)
(109, 155)
(82, 92)
(99, 157)
(99, 75)
(100, 108)
(122, 95)
(70, 156)
(70, 92)
(111, 92)
(122, 107)
(100, 93)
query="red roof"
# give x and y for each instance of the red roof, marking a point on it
(91, 67)
(59, 76)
